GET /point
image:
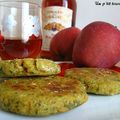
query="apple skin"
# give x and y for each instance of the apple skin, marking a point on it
(62, 44)
(97, 46)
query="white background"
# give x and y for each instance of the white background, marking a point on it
(88, 12)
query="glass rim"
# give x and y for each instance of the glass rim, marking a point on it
(24, 1)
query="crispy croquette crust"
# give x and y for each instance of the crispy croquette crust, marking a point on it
(41, 96)
(28, 67)
(97, 80)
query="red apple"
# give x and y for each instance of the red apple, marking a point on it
(62, 43)
(97, 46)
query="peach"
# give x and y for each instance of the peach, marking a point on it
(97, 46)
(62, 43)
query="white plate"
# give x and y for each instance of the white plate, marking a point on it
(97, 108)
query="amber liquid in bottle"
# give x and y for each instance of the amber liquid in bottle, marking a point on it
(53, 12)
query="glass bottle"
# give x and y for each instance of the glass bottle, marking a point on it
(56, 16)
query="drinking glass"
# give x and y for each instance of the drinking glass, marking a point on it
(20, 30)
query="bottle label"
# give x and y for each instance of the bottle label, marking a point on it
(54, 19)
